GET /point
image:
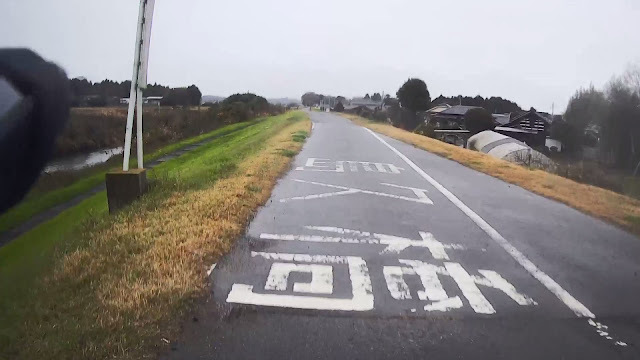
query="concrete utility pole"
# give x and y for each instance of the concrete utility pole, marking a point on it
(138, 80)
(125, 186)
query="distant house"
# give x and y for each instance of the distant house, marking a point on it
(448, 118)
(429, 114)
(362, 103)
(531, 127)
(501, 119)
(438, 109)
(152, 100)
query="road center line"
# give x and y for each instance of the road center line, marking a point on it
(572, 303)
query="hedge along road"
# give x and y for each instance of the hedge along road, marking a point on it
(370, 248)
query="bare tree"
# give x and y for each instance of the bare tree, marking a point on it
(631, 77)
(621, 130)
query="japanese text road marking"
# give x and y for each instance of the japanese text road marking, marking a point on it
(434, 292)
(320, 267)
(321, 283)
(316, 164)
(395, 244)
(421, 194)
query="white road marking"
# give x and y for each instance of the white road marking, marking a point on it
(362, 296)
(445, 305)
(321, 278)
(434, 291)
(435, 246)
(398, 288)
(366, 166)
(395, 244)
(322, 259)
(353, 166)
(420, 193)
(422, 197)
(318, 164)
(380, 167)
(494, 280)
(211, 269)
(469, 289)
(428, 274)
(603, 331)
(572, 303)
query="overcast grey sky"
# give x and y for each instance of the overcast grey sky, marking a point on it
(534, 52)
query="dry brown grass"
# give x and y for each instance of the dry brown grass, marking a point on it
(604, 204)
(126, 289)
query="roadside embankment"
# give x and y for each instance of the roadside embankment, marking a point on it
(90, 285)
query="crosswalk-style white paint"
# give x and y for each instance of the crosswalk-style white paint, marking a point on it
(421, 194)
(339, 166)
(394, 244)
(361, 300)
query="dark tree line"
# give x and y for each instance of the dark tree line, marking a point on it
(189, 96)
(494, 105)
(108, 92)
(241, 107)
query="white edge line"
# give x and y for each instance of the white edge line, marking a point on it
(211, 269)
(572, 303)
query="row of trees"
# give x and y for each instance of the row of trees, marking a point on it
(242, 107)
(108, 92)
(189, 96)
(414, 97)
(612, 115)
(375, 97)
(311, 98)
(495, 105)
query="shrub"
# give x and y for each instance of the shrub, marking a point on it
(425, 130)
(477, 120)
(380, 116)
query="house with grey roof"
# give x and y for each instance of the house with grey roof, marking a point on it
(530, 126)
(449, 118)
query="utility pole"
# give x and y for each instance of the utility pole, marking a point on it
(138, 81)
(125, 186)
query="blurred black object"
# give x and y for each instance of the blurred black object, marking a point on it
(34, 107)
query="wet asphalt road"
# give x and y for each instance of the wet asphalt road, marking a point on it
(372, 249)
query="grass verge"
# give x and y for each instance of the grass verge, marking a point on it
(114, 286)
(604, 204)
(37, 202)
